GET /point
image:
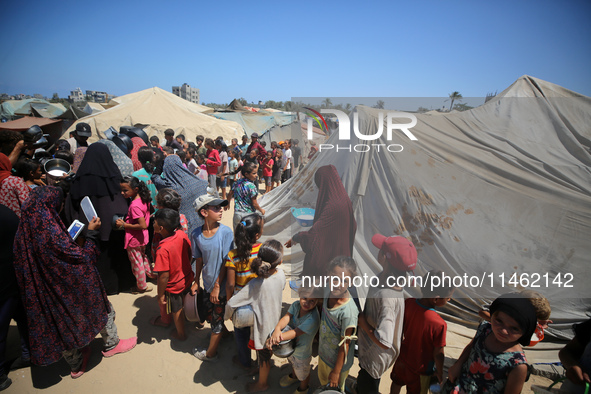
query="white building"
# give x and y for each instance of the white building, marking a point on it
(76, 95)
(187, 92)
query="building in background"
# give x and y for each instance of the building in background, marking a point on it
(97, 97)
(76, 95)
(187, 92)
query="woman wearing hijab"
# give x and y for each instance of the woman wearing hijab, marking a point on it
(61, 289)
(178, 178)
(99, 178)
(137, 144)
(123, 162)
(334, 228)
(13, 189)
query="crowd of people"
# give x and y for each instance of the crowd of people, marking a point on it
(158, 219)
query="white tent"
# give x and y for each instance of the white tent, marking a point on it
(499, 190)
(93, 108)
(156, 110)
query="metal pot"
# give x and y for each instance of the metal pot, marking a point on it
(55, 169)
(116, 217)
(285, 348)
(193, 307)
(135, 132)
(124, 143)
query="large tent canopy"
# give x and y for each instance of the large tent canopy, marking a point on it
(156, 110)
(499, 190)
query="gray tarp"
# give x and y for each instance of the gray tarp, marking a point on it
(501, 189)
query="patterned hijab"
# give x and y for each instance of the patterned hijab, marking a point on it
(121, 160)
(137, 144)
(78, 157)
(63, 295)
(177, 177)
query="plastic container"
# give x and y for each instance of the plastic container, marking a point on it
(304, 216)
(88, 209)
(243, 317)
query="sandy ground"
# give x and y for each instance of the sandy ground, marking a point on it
(159, 364)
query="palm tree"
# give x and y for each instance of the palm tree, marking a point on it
(453, 97)
(380, 104)
(326, 102)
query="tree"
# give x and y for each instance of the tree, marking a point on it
(453, 97)
(242, 101)
(326, 103)
(348, 107)
(462, 107)
(379, 104)
(55, 96)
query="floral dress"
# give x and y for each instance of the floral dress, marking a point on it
(484, 371)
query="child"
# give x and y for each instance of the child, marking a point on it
(175, 275)
(238, 274)
(264, 295)
(576, 357)
(494, 361)
(155, 142)
(30, 171)
(171, 199)
(421, 351)
(191, 163)
(210, 244)
(136, 230)
(222, 149)
(145, 156)
(380, 324)
(304, 320)
(277, 172)
(337, 326)
(183, 156)
(268, 171)
(202, 168)
(543, 310)
(213, 162)
(232, 166)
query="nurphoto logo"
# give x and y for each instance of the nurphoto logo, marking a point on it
(344, 129)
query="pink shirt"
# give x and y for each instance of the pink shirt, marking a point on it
(135, 238)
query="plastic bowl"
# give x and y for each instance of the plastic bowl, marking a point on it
(304, 216)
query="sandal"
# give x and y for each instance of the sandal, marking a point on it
(136, 290)
(157, 321)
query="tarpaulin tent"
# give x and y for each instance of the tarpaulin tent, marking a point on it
(156, 110)
(53, 127)
(498, 192)
(28, 107)
(93, 108)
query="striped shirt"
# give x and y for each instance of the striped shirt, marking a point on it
(242, 268)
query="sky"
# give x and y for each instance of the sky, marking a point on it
(279, 50)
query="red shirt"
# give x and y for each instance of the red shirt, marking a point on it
(267, 171)
(259, 147)
(423, 330)
(174, 255)
(213, 162)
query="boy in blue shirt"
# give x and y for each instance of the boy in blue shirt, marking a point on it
(210, 244)
(302, 321)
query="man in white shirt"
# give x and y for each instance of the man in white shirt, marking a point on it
(287, 159)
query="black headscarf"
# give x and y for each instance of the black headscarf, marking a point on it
(521, 310)
(97, 176)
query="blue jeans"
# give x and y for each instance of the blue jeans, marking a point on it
(12, 308)
(242, 336)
